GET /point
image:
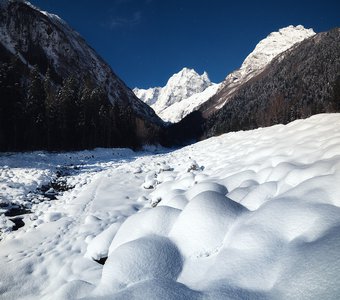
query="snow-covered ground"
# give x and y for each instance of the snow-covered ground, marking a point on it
(246, 215)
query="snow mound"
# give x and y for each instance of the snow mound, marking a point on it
(158, 220)
(317, 262)
(99, 246)
(176, 201)
(267, 198)
(204, 222)
(205, 186)
(52, 216)
(150, 257)
(154, 289)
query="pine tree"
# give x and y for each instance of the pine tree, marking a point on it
(11, 103)
(35, 111)
(68, 113)
(51, 112)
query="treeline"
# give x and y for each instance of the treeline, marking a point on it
(35, 113)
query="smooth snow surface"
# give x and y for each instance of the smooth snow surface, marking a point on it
(246, 215)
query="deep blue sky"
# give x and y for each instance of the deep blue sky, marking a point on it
(146, 41)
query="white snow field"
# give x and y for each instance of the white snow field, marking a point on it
(246, 215)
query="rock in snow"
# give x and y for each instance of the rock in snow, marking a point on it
(259, 221)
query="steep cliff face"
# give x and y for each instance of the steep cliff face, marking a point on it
(299, 82)
(33, 39)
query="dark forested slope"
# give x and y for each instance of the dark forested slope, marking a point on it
(57, 93)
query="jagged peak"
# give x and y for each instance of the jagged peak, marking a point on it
(186, 73)
(186, 76)
(287, 36)
(296, 28)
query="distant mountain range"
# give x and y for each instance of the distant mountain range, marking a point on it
(186, 91)
(292, 74)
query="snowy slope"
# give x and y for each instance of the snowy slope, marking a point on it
(149, 96)
(264, 52)
(178, 110)
(246, 215)
(274, 44)
(179, 87)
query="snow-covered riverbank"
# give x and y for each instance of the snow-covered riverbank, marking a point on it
(251, 214)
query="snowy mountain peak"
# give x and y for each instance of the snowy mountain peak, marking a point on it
(149, 96)
(182, 85)
(274, 44)
(179, 87)
(205, 76)
(268, 48)
(264, 52)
